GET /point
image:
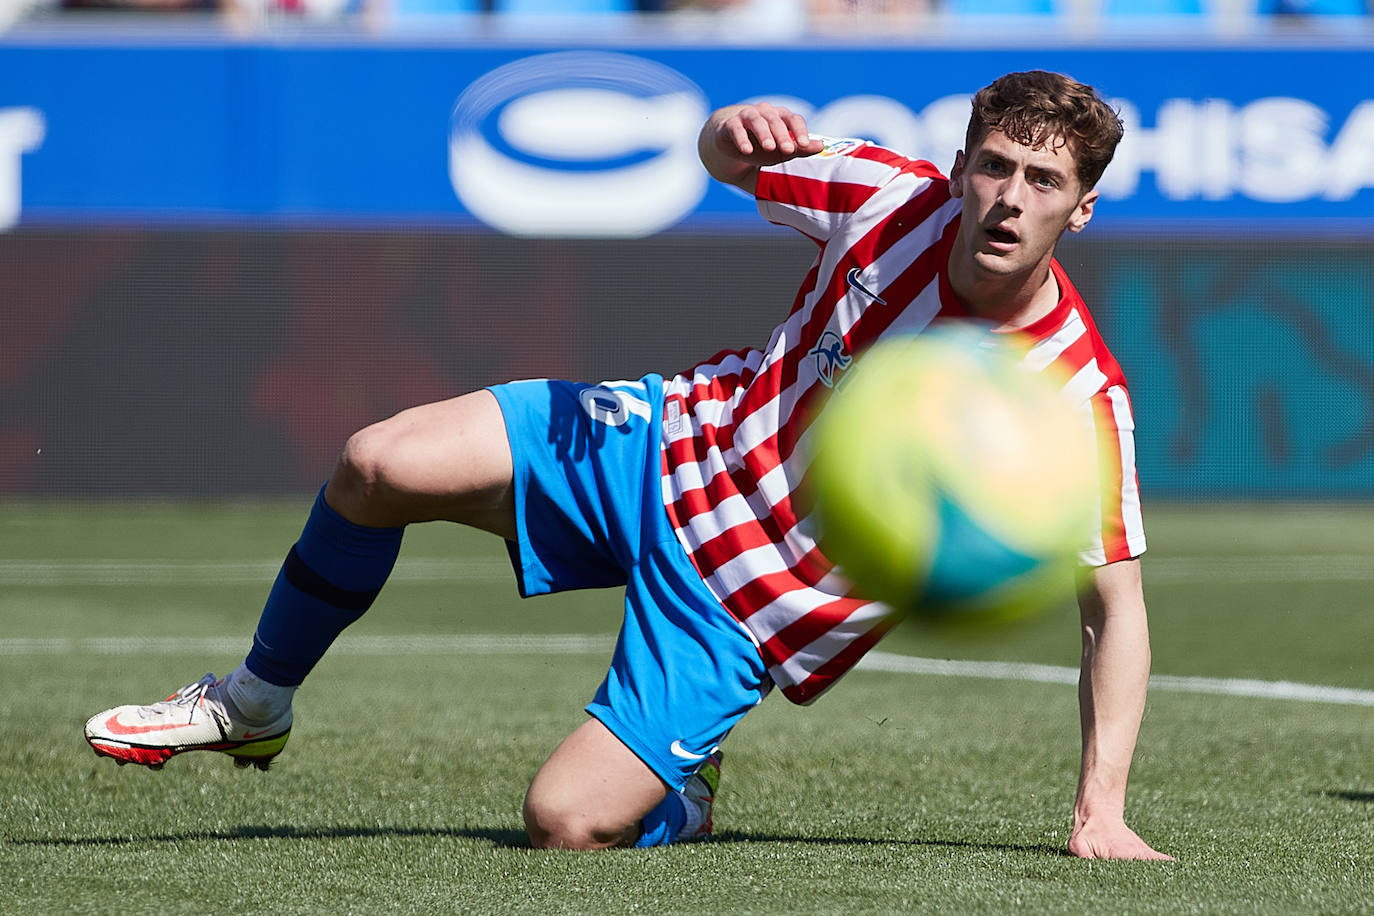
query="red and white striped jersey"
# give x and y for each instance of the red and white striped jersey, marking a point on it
(734, 426)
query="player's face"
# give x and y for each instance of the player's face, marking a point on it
(1017, 203)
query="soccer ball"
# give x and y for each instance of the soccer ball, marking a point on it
(950, 481)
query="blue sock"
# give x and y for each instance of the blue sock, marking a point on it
(330, 578)
(662, 825)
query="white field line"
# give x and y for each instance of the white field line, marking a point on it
(438, 571)
(492, 644)
(584, 644)
(1055, 674)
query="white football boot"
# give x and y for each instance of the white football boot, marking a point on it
(198, 717)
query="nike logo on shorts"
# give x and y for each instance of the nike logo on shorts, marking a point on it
(680, 751)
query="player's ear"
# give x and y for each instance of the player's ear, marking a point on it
(956, 175)
(1083, 212)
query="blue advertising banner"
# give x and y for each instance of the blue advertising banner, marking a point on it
(601, 142)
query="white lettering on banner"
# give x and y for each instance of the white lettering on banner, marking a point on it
(1272, 150)
(600, 144)
(1351, 166)
(1189, 151)
(21, 131)
(1283, 156)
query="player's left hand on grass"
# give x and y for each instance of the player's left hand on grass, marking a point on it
(1111, 840)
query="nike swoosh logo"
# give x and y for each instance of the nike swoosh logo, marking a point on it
(680, 751)
(852, 278)
(249, 736)
(116, 727)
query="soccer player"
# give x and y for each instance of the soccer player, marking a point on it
(681, 489)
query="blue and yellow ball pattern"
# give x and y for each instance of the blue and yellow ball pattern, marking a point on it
(950, 481)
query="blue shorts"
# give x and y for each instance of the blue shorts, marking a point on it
(589, 513)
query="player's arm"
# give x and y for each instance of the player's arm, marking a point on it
(739, 139)
(1111, 700)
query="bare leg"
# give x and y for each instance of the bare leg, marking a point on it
(591, 793)
(450, 460)
(447, 460)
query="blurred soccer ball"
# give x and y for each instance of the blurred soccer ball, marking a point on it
(950, 481)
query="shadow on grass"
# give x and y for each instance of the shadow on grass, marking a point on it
(503, 839)
(731, 836)
(1349, 795)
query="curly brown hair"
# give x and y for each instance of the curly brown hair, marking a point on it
(1036, 108)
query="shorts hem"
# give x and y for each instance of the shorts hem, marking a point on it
(668, 772)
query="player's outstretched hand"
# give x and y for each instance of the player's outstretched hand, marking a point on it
(1097, 840)
(764, 134)
(736, 141)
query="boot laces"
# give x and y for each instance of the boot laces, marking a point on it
(187, 699)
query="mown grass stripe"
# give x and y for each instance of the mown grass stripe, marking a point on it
(477, 644)
(1202, 570)
(225, 572)
(584, 644)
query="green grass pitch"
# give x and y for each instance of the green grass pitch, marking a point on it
(897, 792)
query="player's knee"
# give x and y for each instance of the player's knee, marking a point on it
(363, 465)
(368, 474)
(552, 825)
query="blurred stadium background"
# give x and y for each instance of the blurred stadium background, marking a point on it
(233, 235)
